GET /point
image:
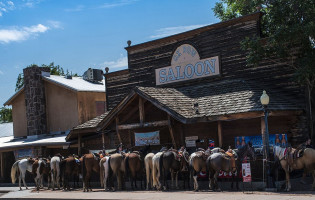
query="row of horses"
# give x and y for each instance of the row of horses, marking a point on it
(156, 167)
(136, 165)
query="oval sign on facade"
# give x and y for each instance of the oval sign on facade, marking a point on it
(186, 65)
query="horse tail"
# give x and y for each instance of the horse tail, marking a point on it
(102, 173)
(14, 171)
(127, 166)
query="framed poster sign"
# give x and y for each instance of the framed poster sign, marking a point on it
(152, 138)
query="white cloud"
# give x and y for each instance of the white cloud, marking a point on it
(164, 32)
(16, 34)
(117, 3)
(6, 6)
(78, 8)
(119, 63)
(30, 3)
(1, 72)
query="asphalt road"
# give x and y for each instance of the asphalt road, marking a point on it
(153, 195)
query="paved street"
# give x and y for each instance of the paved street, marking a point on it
(152, 195)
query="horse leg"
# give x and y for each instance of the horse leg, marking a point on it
(23, 178)
(20, 178)
(216, 186)
(196, 186)
(288, 184)
(176, 176)
(313, 186)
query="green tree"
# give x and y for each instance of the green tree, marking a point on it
(19, 82)
(54, 70)
(288, 30)
(5, 114)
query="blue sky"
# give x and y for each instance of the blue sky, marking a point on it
(78, 34)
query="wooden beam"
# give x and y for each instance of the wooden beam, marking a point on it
(220, 134)
(144, 125)
(141, 110)
(79, 144)
(117, 129)
(170, 127)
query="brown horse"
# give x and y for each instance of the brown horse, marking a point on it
(197, 164)
(40, 168)
(117, 168)
(69, 168)
(306, 162)
(227, 163)
(90, 163)
(134, 163)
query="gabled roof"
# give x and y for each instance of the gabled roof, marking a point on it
(207, 101)
(8, 102)
(76, 83)
(215, 99)
(89, 126)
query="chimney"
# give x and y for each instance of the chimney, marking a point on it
(35, 100)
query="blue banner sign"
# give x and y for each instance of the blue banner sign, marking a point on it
(152, 138)
(274, 139)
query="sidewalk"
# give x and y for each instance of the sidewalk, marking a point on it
(152, 195)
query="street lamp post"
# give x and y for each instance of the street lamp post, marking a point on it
(264, 99)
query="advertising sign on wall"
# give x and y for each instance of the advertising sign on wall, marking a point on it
(274, 139)
(186, 65)
(23, 153)
(152, 138)
(246, 173)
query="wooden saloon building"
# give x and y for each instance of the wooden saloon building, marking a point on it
(194, 88)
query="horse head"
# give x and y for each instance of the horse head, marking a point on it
(184, 161)
(248, 149)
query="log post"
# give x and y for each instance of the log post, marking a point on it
(220, 134)
(170, 127)
(103, 140)
(79, 144)
(117, 130)
(141, 110)
(182, 135)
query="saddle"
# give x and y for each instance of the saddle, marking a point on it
(231, 156)
(293, 154)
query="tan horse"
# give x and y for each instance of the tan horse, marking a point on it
(117, 165)
(149, 169)
(306, 162)
(90, 163)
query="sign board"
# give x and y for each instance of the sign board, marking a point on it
(187, 65)
(274, 139)
(190, 143)
(152, 138)
(23, 153)
(191, 138)
(246, 172)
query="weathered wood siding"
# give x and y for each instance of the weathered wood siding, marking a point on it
(224, 41)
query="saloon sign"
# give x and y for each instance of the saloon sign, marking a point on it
(186, 65)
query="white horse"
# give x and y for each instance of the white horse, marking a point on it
(149, 168)
(306, 162)
(104, 169)
(55, 171)
(21, 166)
(156, 170)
